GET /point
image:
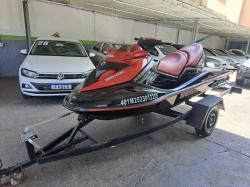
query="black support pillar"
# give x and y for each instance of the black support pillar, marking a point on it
(27, 23)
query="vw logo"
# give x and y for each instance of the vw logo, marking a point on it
(60, 76)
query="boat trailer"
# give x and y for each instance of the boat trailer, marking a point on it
(63, 146)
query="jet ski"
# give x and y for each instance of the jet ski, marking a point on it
(129, 82)
(132, 81)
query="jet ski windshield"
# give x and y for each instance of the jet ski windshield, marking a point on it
(101, 69)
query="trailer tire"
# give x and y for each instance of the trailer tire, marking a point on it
(209, 122)
(239, 82)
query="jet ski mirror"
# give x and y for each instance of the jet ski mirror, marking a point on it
(91, 54)
(24, 51)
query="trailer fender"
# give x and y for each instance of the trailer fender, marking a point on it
(200, 109)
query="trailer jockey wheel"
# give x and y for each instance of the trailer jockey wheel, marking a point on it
(209, 122)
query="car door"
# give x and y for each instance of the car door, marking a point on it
(98, 55)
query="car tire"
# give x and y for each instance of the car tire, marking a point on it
(239, 82)
(25, 96)
(209, 122)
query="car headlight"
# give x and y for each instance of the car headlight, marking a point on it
(29, 73)
(86, 73)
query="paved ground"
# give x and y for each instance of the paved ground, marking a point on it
(171, 157)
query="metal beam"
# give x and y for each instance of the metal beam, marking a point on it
(195, 31)
(27, 23)
(205, 37)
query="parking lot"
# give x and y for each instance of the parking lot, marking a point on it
(174, 156)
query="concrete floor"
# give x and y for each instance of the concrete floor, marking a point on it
(171, 157)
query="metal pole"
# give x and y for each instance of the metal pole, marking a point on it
(27, 23)
(247, 46)
(205, 37)
(177, 36)
(195, 31)
(156, 30)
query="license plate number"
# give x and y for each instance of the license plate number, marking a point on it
(61, 86)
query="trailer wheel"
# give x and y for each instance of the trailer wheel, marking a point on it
(239, 82)
(209, 123)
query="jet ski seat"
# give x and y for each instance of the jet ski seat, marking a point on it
(174, 63)
(194, 52)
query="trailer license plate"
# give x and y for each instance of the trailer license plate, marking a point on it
(61, 86)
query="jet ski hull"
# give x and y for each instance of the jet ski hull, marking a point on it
(132, 99)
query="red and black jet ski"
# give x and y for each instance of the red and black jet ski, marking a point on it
(131, 81)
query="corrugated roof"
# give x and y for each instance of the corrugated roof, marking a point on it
(172, 13)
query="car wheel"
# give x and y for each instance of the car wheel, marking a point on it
(239, 80)
(25, 96)
(209, 122)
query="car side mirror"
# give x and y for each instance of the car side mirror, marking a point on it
(91, 54)
(24, 51)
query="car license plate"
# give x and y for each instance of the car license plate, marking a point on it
(61, 86)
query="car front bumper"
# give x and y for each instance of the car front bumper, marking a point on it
(42, 87)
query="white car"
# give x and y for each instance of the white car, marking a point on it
(53, 67)
(226, 62)
(239, 52)
(213, 64)
(163, 50)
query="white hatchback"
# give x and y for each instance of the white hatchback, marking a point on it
(53, 67)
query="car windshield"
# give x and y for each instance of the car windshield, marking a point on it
(166, 49)
(229, 52)
(237, 53)
(58, 48)
(219, 52)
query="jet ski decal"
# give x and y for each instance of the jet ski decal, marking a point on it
(139, 99)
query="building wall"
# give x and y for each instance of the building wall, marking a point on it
(48, 18)
(230, 8)
(244, 16)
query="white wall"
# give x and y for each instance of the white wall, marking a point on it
(113, 29)
(48, 18)
(166, 34)
(212, 41)
(185, 37)
(11, 17)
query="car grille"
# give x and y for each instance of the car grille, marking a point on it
(66, 76)
(47, 87)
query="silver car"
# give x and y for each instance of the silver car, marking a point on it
(227, 62)
(240, 59)
(243, 73)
